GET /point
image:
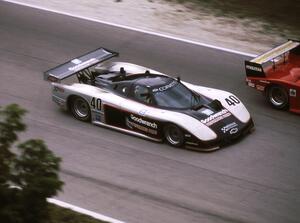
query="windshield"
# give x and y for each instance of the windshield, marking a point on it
(176, 95)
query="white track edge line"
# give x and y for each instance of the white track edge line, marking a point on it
(134, 29)
(83, 211)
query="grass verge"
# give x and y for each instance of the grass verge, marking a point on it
(64, 215)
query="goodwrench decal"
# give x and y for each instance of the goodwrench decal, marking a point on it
(212, 119)
(141, 124)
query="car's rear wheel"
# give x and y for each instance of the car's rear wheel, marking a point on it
(277, 97)
(174, 135)
(80, 108)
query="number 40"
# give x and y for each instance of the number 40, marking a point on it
(96, 103)
(232, 100)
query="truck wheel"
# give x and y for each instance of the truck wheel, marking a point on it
(80, 109)
(174, 135)
(277, 97)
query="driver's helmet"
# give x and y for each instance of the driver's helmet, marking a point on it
(141, 93)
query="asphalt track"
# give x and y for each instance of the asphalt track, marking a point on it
(135, 180)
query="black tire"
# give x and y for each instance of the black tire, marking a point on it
(174, 135)
(278, 97)
(80, 109)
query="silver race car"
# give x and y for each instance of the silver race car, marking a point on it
(146, 103)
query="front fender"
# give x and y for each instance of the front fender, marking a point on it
(228, 100)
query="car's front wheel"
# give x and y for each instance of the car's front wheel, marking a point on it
(80, 108)
(277, 97)
(174, 135)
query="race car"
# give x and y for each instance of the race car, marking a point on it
(147, 103)
(276, 73)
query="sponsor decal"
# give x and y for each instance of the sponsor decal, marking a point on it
(250, 84)
(76, 61)
(84, 64)
(140, 127)
(264, 81)
(166, 87)
(142, 112)
(260, 88)
(233, 131)
(254, 68)
(228, 127)
(207, 111)
(216, 117)
(293, 92)
(143, 122)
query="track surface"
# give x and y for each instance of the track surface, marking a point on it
(134, 180)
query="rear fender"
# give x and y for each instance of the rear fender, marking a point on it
(95, 97)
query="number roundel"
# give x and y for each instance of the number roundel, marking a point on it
(232, 100)
(96, 103)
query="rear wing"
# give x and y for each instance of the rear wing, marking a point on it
(254, 67)
(78, 64)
